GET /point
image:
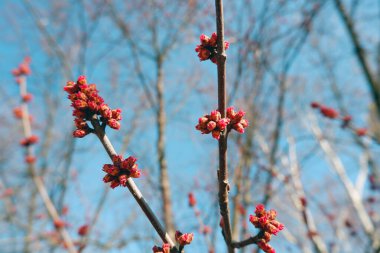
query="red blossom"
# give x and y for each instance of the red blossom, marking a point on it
(266, 222)
(87, 103)
(23, 69)
(206, 230)
(208, 47)
(30, 159)
(33, 139)
(83, 230)
(236, 120)
(119, 172)
(164, 249)
(192, 199)
(27, 97)
(18, 112)
(329, 112)
(212, 123)
(315, 105)
(183, 239)
(361, 131)
(58, 223)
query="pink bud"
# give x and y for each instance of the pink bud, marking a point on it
(114, 124)
(215, 115)
(211, 125)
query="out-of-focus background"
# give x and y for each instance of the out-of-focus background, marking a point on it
(322, 178)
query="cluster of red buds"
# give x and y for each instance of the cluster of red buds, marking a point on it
(267, 223)
(33, 139)
(331, 113)
(164, 249)
(119, 172)
(208, 47)
(23, 69)
(214, 123)
(87, 103)
(183, 239)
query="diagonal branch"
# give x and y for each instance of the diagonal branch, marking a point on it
(132, 187)
(374, 84)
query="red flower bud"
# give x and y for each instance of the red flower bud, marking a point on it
(83, 230)
(361, 131)
(329, 112)
(315, 105)
(183, 239)
(59, 224)
(30, 159)
(192, 199)
(27, 97)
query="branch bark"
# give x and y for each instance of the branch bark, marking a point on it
(223, 170)
(163, 167)
(132, 187)
(374, 84)
(41, 188)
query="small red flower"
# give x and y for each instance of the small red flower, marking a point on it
(315, 105)
(119, 172)
(329, 112)
(361, 131)
(164, 249)
(33, 139)
(18, 112)
(192, 200)
(23, 69)
(266, 222)
(58, 223)
(206, 230)
(86, 103)
(183, 239)
(83, 230)
(30, 159)
(208, 47)
(236, 120)
(212, 123)
(27, 97)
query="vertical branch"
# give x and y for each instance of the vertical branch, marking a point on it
(223, 170)
(299, 193)
(164, 177)
(41, 188)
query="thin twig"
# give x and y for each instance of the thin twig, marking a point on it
(132, 187)
(36, 179)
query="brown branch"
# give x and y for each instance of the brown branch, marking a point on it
(223, 170)
(41, 188)
(374, 85)
(163, 167)
(132, 187)
(246, 242)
